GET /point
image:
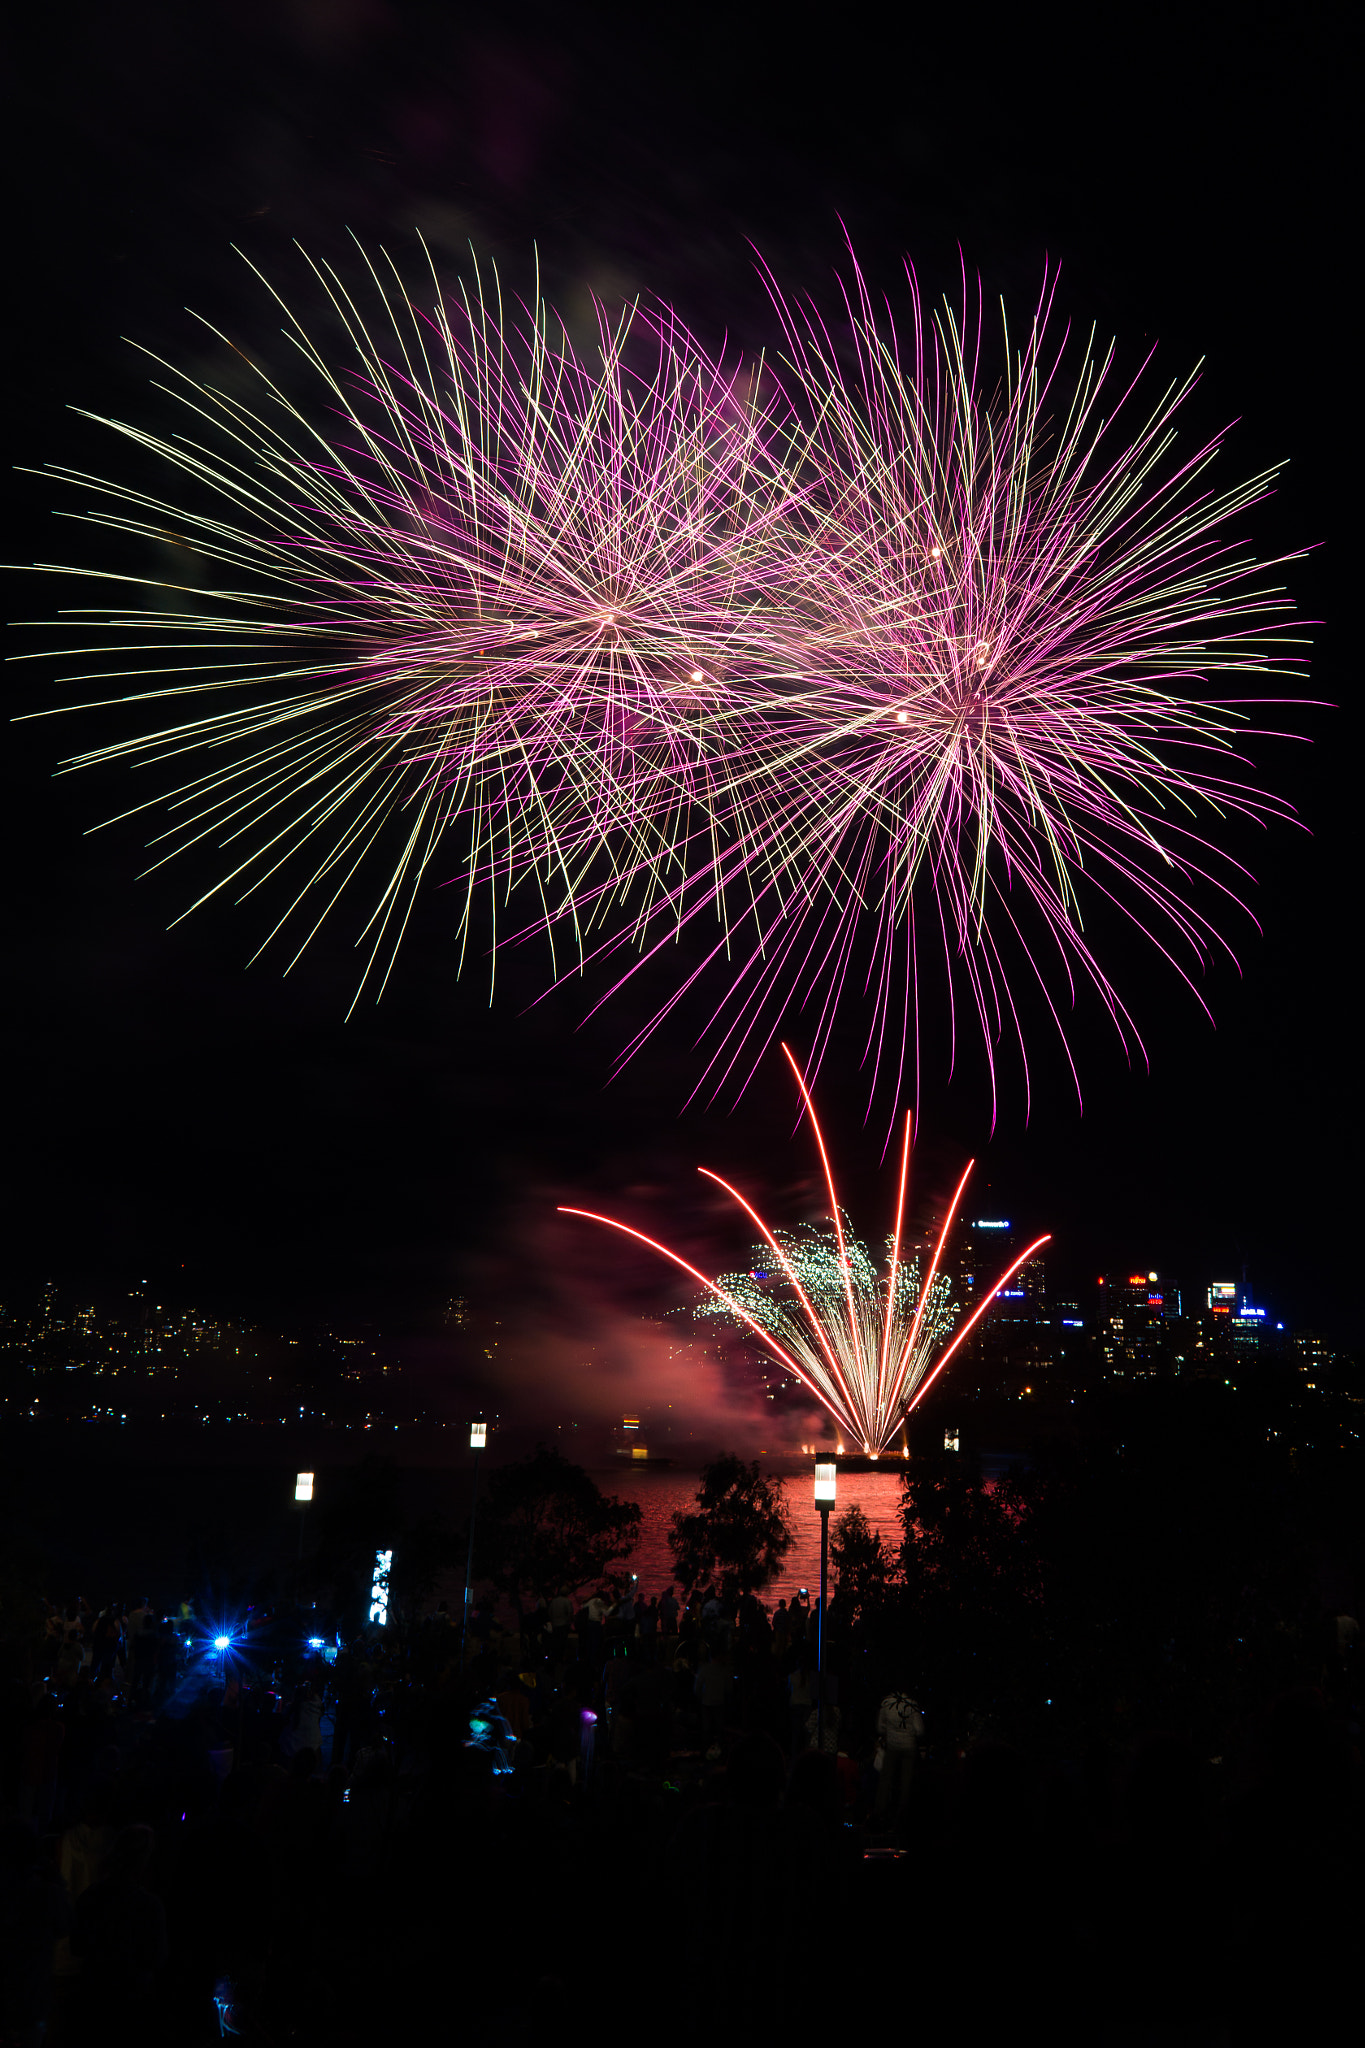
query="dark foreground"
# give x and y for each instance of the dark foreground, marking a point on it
(1134, 1815)
(354, 1853)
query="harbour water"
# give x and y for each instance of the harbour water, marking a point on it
(662, 1494)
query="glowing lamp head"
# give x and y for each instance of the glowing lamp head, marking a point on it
(902, 718)
(697, 675)
(303, 1486)
(826, 1481)
(478, 1435)
(221, 1643)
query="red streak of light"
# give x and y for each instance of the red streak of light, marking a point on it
(895, 1252)
(833, 1208)
(720, 1294)
(1036, 1246)
(790, 1272)
(909, 1351)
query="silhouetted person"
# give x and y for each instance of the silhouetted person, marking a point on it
(900, 1726)
(118, 1934)
(800, 1699)
(33, 1914)
(43, 1739)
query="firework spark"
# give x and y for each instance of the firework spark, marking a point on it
(866, 1344)
(516, 601)
(1004, 609)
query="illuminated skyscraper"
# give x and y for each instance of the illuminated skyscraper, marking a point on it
(1132, 1316)
(1013, 1343)
(983, 1248)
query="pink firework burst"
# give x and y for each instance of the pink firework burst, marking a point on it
(474, 598)
(1008, 607)
(884, 657)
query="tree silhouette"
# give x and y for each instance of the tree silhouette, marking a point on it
(544, 1526)
(863, 1564)
(738, 1533)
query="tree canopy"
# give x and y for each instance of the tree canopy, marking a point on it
(544, 1526)
(864, 1566)
(738, 1533)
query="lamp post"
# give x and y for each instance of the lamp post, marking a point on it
(826, 1483)
(303, 1494)
(478, 1437)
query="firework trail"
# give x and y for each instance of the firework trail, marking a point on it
(514, 601)
(1003, 607)
(866, 1344)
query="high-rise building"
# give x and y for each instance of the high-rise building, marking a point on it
(1013, 1342)
(983, 1248)
(1133, 1309)
(1313, 1358)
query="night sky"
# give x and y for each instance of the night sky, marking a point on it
(224, 1131)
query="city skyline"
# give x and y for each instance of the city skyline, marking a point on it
(139, 1359)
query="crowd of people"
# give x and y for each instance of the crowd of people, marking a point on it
(675, 1676)
(209, 1837)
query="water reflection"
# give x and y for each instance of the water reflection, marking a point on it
(662, 1494)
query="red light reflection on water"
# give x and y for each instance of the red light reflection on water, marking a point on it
(662, 1494)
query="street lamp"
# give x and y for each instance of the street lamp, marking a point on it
(826, 1486)
(303, 1494)
(478, 1438)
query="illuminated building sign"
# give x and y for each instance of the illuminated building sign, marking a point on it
(303, 1486)
(1222, 1291)
(1072, 1323)
(1248, 1311)
(1009, 1293)
(379, 1588)
(980, 1225)
(1137, 1279)
(1155, 1300)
